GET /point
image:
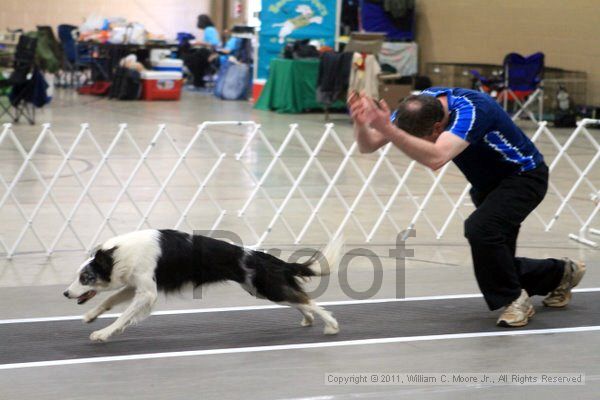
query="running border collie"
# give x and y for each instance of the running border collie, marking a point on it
(139, 264)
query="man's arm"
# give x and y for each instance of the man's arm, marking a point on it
(432, 155)
(368, 139)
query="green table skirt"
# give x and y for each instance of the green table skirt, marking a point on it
(292, 87)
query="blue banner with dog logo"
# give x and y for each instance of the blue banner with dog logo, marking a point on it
(284, 21)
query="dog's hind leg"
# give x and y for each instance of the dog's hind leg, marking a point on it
(308, 316)
(308, 319)
(309, 308)
(331, 324)
(143, 300)
(115, 299)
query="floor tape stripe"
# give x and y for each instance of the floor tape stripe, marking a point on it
(266, 307)
(256, 349)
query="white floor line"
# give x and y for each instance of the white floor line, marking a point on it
(256, 349)
(267, 307)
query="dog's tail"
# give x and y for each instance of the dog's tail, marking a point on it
(323, 263)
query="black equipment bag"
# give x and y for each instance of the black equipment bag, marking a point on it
(127, 84)
(300, 49)
(24, 59)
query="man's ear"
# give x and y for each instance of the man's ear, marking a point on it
(434, 135)
(438, 127)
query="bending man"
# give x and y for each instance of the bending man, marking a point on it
(508, 176)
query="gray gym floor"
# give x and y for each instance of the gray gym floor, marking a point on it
(229, 345)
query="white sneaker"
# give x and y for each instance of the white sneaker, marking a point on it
(517, 313)
(561, 296)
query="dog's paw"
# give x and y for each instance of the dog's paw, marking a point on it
(91, 315)
(100, 336)
(332, 329)
(307, 321)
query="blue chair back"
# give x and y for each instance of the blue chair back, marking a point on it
(184, 37)
(524, 73)
(65, 34)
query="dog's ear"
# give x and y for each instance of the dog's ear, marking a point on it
(95, 250)
(103, 263)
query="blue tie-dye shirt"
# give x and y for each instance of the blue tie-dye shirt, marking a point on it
(497, 147)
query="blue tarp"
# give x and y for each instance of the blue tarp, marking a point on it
(375, 19)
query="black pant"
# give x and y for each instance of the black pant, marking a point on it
(199, 65)
(492, 232)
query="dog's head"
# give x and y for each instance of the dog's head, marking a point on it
(93, 276)
(304, 9)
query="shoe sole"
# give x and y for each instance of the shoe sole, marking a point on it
(519, 324)
(578, 276)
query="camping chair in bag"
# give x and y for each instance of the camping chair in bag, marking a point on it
(16, 103)
(490, 85)
(49, 51)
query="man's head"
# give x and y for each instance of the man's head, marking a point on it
(422, 116)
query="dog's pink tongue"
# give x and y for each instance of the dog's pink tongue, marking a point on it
(85, 297)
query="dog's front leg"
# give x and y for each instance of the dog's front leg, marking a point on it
(115, 299)
(140, 307)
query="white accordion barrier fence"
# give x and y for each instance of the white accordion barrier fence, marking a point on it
(62, 192)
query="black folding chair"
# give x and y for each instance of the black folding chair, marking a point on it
(17, 102)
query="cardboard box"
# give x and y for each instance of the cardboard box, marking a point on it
(393, 93)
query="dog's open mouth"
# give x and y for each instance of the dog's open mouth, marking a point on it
(86, 296)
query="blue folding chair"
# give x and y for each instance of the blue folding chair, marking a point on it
(520, 83)
(76, 58)
(523, 83)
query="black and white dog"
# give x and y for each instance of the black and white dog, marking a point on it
(139, 264)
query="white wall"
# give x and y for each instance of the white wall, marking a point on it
(477, 31)
(159, 16)
(252, 7)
